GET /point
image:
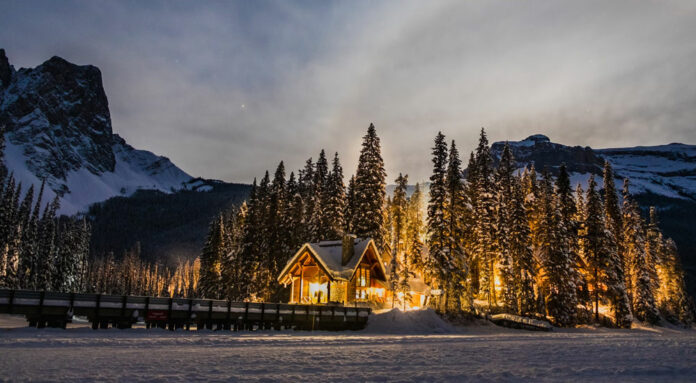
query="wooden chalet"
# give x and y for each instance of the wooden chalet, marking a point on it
(348, 271)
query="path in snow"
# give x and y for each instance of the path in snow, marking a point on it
(472, 353)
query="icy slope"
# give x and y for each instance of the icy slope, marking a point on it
(59, 129)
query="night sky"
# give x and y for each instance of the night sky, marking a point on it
(228, 89)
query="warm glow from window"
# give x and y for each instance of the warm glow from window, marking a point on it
(318, 292)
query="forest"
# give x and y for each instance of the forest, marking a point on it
(491, 238)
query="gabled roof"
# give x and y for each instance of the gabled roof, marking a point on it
(329, 255)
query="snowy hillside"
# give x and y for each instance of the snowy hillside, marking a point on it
(666, 170)
(59, 129)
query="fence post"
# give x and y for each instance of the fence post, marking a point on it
(188, 314)
(228, 320)
(169, 315)
(246, 315)
(97, 320)
(12, 296)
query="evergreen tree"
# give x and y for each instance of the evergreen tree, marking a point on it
(484, 219)
(438, 229)
(677, 305)
(602, 259)
(560, 289)
(306, 188)
(211, 260)
(456, 215)
(262, 274)
(370, 190)
(294, 215)
(415, 230)
(29, 255)
(521, 251)
(318, 230)
(46, 246)
(611, 205)
(504, 185)
(350, 206)
(642, 295)
(616, 282)
(278, 249)
(334, 202)
(235, 272)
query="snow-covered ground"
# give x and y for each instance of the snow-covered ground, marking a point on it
(473, 353)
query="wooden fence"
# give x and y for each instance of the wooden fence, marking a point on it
(53, 309)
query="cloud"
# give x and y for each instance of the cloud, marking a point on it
(313, 75)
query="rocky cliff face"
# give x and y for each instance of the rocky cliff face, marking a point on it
(59, 129)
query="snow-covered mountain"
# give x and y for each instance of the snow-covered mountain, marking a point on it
(665, 170)
(58, 128)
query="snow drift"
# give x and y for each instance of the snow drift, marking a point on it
(396, 321)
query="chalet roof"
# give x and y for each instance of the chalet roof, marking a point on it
(330, 254)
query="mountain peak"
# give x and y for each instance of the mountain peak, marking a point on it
(5, 70)
(59, 129)
(537, 138)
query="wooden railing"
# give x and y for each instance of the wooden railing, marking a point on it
(53, 309)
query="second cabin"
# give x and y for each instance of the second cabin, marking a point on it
(347, 271)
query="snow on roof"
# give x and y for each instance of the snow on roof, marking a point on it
(330, 254)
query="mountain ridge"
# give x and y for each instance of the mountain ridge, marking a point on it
(58, 128)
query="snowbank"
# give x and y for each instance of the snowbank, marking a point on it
(396, 321)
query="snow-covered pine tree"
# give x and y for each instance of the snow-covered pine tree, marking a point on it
(334, 202)
(415, 230)
(211, 259)
(633, 238)
(46, 245)
(615, 276)
(457, 214)
(11, 261)
(318, 232)
(278, 233)
(370, 189)
(306, 187)
(677, 304)
(85, 234)
(388, 222)
(584, 297)
(611, 206)
(263, 277)
(399, 210)
(484, 219)
(350, 206)
(521, 249)
(7, 213)
(557, 262)
(570, 224)
(399, 266)
(504, 187)
(438, 229)
(28, 263)
(235, 272)
(294, 214)
(602, 258)
(470, 243)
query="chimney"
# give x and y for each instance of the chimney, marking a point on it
(348, 248)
